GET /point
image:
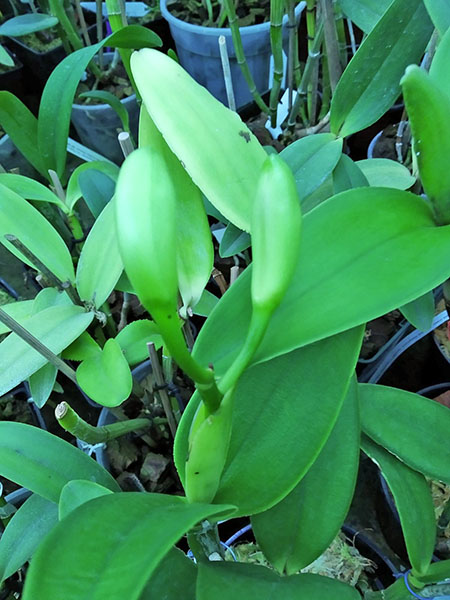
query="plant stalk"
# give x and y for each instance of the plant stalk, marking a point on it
(276, 43)
(331, 43)
(162, 391)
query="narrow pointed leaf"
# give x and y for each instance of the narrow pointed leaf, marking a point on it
(414, 503)
(20, 311)
(133, 340)
(420, 312)
(408, 425)
(240, 581)
(383, 172)
(234, 240)
(112, 100)
(263, 407)
(195, 126)
(439, 65)
(326, 489)
(78, 492)
(431, 141)
(106, 376)
(100, 264)
(35, 232)
(347, 175)
(5, 58)
(55, 327)
(175, 577)
(23, 534)
(370, 85)
(28, 23)
(312, 159)
(44, 463)
(41, 384)
(391, 229)
(206, 304)
(136, 532)
(30, 189)
(364, 13)
(74, 192)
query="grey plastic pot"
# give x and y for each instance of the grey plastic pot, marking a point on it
(198, 51)
(97, 125)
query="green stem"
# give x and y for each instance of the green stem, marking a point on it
(74, 424)
(276, 43)
(240, 56)
(331, 43)
(57, 10)
(204, 541)
(311, 34)
(118, 21)
(293, 42)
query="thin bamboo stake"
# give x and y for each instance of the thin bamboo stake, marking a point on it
(331, 43)
(82, 21)
(227, 72)
(126, 145)
(162, 392)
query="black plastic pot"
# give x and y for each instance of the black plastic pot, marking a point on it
(12, 79)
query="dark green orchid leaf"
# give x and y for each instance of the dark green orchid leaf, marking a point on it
(439, 11)
(312, 159)
(23, 534)
(30, 189)
(234, 240)
(370, 84)
(240, 581)
(334, 287)
(83, 347)
(101, 190)
(206, 304)
(136, 532)
(439, 64)
(44, 463)
(414, 503)
(113, 102)
(408, 425)
(41, 384)
(175, 577)
(294, 533)
(259, 471)
(78, 492)
(365, 13)
(420, 312)
(347, 175)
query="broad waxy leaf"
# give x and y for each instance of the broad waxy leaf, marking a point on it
(134, 337)
(391, 229)
(23, 534)
(74, 192)
(347, 175)
(383, 172)
(369, 85)
(234, 240)
(35, 232)
(312, 159)
(431, 141)
(55, 327)
(30, 189)
(195, 125)
(408, 425)
(439, 11)
(365, 13)
(174, 578)
(106, 376)
(279, 395)
(20, 311)
(420, 312)
(44, 463)
(240, 581)
(414, 503)
(78, 492)
(56, 102)
(100, 264)
(136, 532)
(28, 23)
(41, 384)
(294, 532)
(21, 126)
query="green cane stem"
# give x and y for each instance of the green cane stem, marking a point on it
(276, 43)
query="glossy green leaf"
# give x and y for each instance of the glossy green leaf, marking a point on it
(240, 581)
(260, 471)
(97, 190)
(364, 13)
(48, 297)
(106, 377)
(414, 503)
(370, 84)
(83, 347)
(136, 531)
(334, 287)
(135, 336)
(100, 264)
(437, 571)
(175, 577)
(41, 384)
(74, 192)
(294, 533)
(420, 312)
(5, 58)
(44, 463)
(35, 232)
(234, 240)
(312, 159)
(113, 102)
(55, 327)
(408, 425)
(30, 189)
(21, 126)
(20, 311)
(439, 69)
(56, 102)
(206, 304)
(431, 141)
(347, 175)
(383, 172)
(78, 492)
(28, 23)
(439, 11)
(23, 534)
(201, 132)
